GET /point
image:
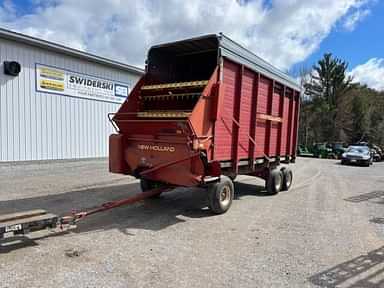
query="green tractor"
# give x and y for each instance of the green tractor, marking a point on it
(338, 148)
(303, 151)
(322, 150)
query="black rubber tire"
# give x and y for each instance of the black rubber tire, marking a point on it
(274, 183)
(216, 203)
(146, 185)
(287, 178)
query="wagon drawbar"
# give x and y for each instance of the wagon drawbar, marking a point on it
(22, 223)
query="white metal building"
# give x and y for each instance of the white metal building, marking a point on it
(57, 106)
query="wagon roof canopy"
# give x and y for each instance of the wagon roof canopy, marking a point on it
(229, 49)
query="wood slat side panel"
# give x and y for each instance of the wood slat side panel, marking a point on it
(295, 123)
(276, 111)
(252, 125)
(262, 104)
(269, 122)
(262, 126)
(277, 95)
(280, 132)
(224, 124)
(260, 137)
(245, 112)
(284, 132)
(289, 125)
(273, 140)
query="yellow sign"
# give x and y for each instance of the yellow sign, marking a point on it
(51, 74)
(52, 85)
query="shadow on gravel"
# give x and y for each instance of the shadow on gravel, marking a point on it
(363, 271)
(21, 241)
(152, 214)
(356, 165)
(377, 220)
(245, 189)
(377, 195)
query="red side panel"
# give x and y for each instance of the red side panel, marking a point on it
(116, 154)
(224, 124)
(275, 126)
(295, 123)
(262, 108)
(276, 115)
(284, 132)
(261, 126)
(276, 102)
(290, 123)
(273, 140)
(248, 84)
(262, 103)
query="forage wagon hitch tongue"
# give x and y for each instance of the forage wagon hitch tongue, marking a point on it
(77, 216)
(22, 223)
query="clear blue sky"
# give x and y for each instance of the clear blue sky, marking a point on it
(366, 41)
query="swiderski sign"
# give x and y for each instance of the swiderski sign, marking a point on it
(61, 81)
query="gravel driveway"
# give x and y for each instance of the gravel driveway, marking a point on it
(327, 231)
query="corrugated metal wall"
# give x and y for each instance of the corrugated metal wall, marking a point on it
(41, 126)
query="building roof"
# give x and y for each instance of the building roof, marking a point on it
(22, 38)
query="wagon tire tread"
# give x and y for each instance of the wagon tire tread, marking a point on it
(274, 182)
(214, 191)
(287, 178)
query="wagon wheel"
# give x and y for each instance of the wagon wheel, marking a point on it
(220, 195)
(287, 178)
(274, 183)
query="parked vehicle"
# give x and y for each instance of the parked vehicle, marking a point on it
(379, 153)
(205, 111)
(322, 150)
(361, 144)
(376, 155)
(303, 151)
(376, 151)
(338, 148)
(357, 155)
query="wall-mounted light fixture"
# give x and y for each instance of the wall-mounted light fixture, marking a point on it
(12, 68)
